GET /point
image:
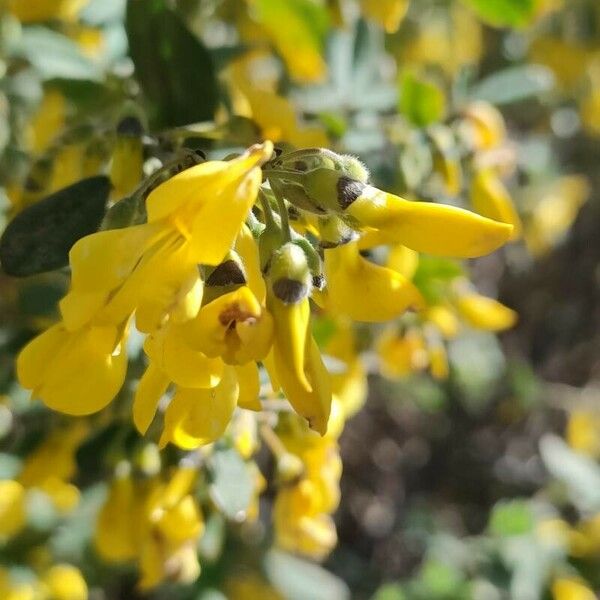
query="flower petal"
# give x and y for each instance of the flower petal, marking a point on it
(151, 388)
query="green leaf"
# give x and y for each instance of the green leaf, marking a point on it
(174, 68)
(389, 591)
(579, 473)
(514, 84)
(211, 543)
(504, 13)
(421, 100)
(433, 276)
(511, 518)
(441, 580)
(39, 297)
(54, 55)
(39, 238)
(477, 363)
(299, 579)
(232, 485)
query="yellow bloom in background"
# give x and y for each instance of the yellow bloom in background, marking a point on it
(173, 523)
(299, 524)
(12, 508)
(250, 586)
(583, 432)
(447, 40)
(48, 120)
(33, 11)
(483, 125)
(485, 313)
(571, 589)
(275, 115)
(490, 198)
(297, 43)
(387, 13)
(554, 208)
(401, 354)
(117, 531)
(444, 318)
(568, 61)
(65, 582)
(67, 166)
(52, 465)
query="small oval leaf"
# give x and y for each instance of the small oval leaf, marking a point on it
(39, 238)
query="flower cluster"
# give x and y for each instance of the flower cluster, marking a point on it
(220, 283)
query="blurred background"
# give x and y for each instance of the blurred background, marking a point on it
(471, 471)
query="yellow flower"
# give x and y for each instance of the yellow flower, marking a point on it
(297, 42)
(449, 41)
(67, 166)
(444, 318)
(74, 372)
(65, 582)
(117, 531)
(155, 265)
(45, 10)
(173, 525)
(300, 525)
(234, 326)
(555, 207)
(12, 508)
(583, 432)
(250, 586)
(483, 125)
(127, 162)
(294, 362)
(52, 464)
(364, 291)
(387, 13)
(436, 229)
(490, 198)
(350, 385)
(401, 354)
(48, 120)
(571, 589)
(198, 416)
(485, 313)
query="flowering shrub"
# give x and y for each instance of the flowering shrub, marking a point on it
(226, 222)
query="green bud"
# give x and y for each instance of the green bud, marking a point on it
(313, 260)
(332, 189)
(269, 241)
(289, 275)
(309, 159)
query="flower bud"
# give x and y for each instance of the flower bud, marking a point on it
(290, 276)
(313, 260)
